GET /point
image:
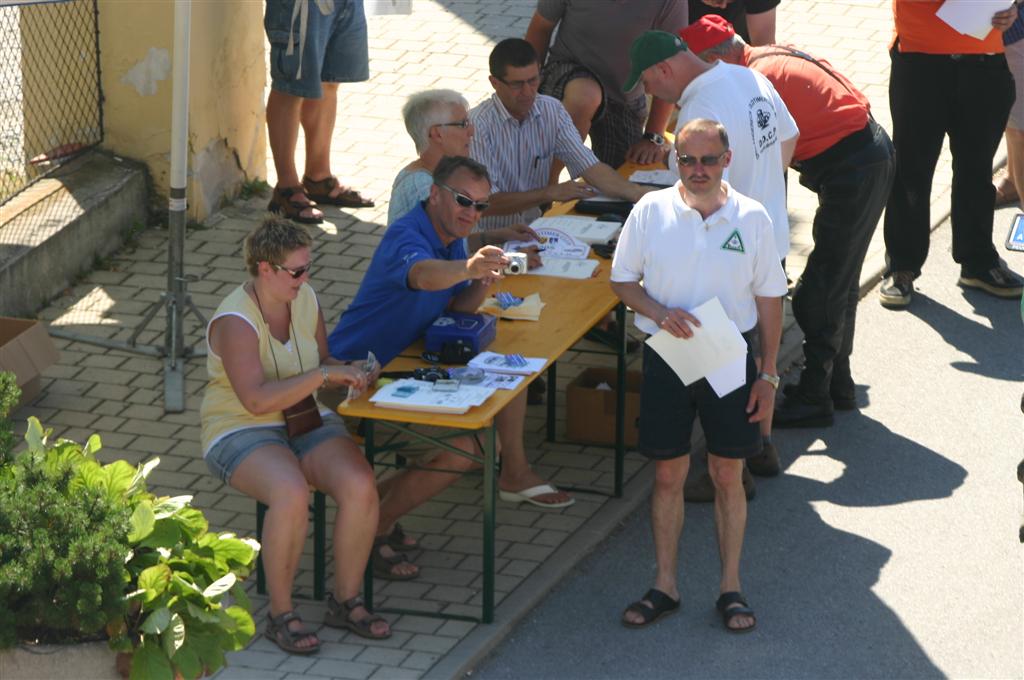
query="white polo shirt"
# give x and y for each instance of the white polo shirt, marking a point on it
(684, 260)
(757, 122)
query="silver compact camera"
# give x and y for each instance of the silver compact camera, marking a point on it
(516, 264)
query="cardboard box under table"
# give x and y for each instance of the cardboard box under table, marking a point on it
(590, 411)
(26, 350)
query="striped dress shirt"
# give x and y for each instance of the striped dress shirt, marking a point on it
(518, 155)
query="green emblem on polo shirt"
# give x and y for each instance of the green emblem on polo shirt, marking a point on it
(734, 242)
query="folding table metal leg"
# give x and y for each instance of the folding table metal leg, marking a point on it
(368, 573)
(552, 389)
(490, 494)
(620, 401)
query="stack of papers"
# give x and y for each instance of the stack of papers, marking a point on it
(499, 363)
(419, 395)
(554, 243)
(716, 351)
(529, 310)
(585, 229)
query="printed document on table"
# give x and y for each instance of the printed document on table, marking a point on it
(661, 178)
(493, 362)
(585, 229)
(971, 17)
(715, 343)
(555, 243)
(566, 269)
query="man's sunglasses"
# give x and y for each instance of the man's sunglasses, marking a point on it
(465, 201)
(707, 161)
(294, 273)
(459, 124)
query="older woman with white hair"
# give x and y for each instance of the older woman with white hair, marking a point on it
(438, 122)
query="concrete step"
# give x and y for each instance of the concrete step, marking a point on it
(55, 230)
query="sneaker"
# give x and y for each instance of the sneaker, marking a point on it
(766, 463)
(896, 290)
(998, 281)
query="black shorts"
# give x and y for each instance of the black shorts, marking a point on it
(668, 408)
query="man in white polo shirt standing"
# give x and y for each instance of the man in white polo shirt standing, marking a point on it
(680, 247)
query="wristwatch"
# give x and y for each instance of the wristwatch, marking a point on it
(772, 380)
(323, 375)
(654, 137)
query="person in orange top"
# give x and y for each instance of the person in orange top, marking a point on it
(945, 83)
(846, 158)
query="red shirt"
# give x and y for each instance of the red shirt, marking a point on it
(919, 30)
(825, 109)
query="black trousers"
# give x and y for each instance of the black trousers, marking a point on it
(852, 179)
(967, 97)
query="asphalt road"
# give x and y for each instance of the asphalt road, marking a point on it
(888, 548)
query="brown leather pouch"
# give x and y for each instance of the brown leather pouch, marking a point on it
(302, 417)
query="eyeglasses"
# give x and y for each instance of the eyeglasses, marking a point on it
(707, 161)
(294, 273)
(459, 124)
(517, 85)
(465, 201)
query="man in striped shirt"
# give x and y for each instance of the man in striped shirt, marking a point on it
(519, 133)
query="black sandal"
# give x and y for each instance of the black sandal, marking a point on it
(663, 605)
(729, 613)
(383, 566)
(396, 540)
(320, 191)
(339, 615)
(286, 638)
(281, 202)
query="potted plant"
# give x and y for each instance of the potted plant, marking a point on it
(86, 552)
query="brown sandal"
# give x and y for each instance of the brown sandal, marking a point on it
(288, 639)
(339, 615)
(320, 191)
(384, 567)
(396, 540)
(283, 202)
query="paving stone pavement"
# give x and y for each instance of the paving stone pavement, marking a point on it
(120, 396)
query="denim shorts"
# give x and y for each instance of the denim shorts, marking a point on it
(336, 49)
(227, 454)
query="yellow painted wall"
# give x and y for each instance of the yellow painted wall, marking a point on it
(227, 75)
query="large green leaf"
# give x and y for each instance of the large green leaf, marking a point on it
(117, 479)
(174, 636)
(187, 662)
(191, 521)
(157, 621)
(167, 506)
(245, 627)
(220, 586)
(142, 522)
(154, 580)
(241, 597)
(34, 435)
(232, 551)
(165, 534)
(200, 614)
(150, 663)
(92, 445)
(206, 644)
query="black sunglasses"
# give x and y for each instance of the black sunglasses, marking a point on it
(459, 124)
(465, 201)
(294, 273)
(707, 161)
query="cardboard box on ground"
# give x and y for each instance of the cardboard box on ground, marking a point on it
(26, 350)
(590, 412)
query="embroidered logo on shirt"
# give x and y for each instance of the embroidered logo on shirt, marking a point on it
(734, 242)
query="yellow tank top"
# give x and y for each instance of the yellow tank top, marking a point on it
(221, 413)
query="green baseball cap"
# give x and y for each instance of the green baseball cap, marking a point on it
(649, 49)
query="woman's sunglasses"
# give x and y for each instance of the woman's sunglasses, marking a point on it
(295, 273)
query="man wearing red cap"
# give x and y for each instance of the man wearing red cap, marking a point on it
(847, 159)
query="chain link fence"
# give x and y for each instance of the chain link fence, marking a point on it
(50, 98)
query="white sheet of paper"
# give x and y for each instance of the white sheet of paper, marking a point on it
(584, 229)
(971, 17)
(566, 269)
(730, 377)
(715, 343)
(663, 178)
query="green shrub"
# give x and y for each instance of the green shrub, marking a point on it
(9, 395)
(86, 549)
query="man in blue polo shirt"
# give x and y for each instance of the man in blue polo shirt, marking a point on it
(420, 270)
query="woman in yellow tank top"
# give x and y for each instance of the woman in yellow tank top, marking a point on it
(267, 353)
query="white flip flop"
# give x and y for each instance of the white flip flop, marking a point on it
(527, 496)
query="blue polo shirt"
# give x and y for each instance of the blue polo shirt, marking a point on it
(387, 315)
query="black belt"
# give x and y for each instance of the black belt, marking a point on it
(975, 58)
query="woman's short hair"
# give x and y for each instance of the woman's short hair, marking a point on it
(273, 241)
(426, 109)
